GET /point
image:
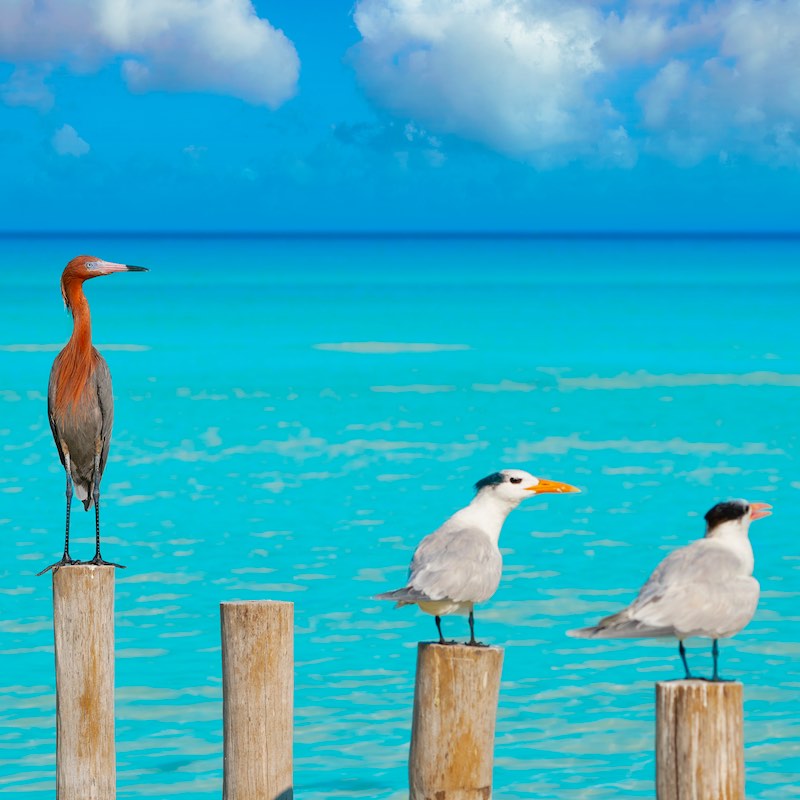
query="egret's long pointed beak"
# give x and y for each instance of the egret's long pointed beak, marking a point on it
(544, 487)
(108, 267)
(759, 510)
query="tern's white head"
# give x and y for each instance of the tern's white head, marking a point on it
(512, 486)
(733, 517)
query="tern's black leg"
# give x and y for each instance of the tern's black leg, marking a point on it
(472, 641)
(715, 656)
(98, 559)
(65, 559)
(439, 628)
(682, 651)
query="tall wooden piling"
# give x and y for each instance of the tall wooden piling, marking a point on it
(455, 710)
(699, 740)
(257, 691)
(83, 623)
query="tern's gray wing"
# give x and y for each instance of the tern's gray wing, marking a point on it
(701, 589)
(458, 564)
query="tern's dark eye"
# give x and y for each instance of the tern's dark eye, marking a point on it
(515, 480)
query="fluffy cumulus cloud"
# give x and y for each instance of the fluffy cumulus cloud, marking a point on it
(218, 46)
(552, 80)
(744, 98)
(66, 142)
(514, 75)
(27, 87)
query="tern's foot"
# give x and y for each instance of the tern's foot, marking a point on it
(98, 561)
(66, 561)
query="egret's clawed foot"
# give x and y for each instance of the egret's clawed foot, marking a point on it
(475, 643)
(66, 561)
(99, 561)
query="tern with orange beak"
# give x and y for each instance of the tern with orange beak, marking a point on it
(460, 564)
(80, 404)
(704, 589)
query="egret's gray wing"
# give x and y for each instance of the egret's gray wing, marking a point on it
(461, 564)
(699, 589)
(105, 400)
(51, 405)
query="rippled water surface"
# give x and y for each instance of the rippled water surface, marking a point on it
(293, 415)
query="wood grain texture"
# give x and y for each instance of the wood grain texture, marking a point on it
(455, 711)
(699, 740)
(83, 623)
(257, 707)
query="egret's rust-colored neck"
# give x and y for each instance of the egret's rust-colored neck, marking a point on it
(76, 362)
(78, 306)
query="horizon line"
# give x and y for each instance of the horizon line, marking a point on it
(407, 234)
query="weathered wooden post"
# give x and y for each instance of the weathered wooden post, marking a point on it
(257, 699)
(699, 740)
(83, 624)
(455, 709)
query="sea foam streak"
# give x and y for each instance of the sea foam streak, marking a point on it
(390, 347)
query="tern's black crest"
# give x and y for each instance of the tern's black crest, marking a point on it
(725, 512)
(490, 480)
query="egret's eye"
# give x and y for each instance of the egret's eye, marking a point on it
(92, 265)
(515, 480)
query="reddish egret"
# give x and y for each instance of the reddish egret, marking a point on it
(79, 400)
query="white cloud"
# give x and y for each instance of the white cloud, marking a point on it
(217, 46)
(66, 142)
(551, 80)
(743, 99)
(27, 87)
(512, 75)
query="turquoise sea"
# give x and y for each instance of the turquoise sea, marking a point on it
(294, 413)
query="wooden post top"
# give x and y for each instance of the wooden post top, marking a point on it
(75, 570)
(684, 683)
(459, 648)
(698, 686)
(257, 603)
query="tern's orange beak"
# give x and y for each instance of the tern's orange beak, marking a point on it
(543, 487)
(759, 510)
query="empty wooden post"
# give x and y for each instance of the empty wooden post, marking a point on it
(455, 709)
(257, 699)
(699, 740)
(83, 623)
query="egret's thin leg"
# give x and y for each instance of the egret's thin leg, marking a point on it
(65, 559)
(682, 651)
(69, 507)
(439, 628)
(98, 559)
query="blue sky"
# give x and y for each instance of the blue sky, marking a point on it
(490, 115)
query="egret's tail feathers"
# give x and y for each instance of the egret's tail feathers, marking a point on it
(403, 597)
(621, 626)
(83, 493)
